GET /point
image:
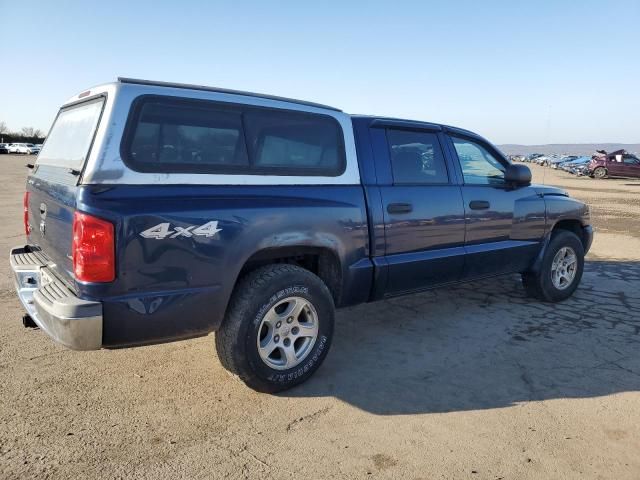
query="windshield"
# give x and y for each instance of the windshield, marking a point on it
(70, 138)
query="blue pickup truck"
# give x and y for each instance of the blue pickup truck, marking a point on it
(157, 212)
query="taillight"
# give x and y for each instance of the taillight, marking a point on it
(25, 214)
(93, 249)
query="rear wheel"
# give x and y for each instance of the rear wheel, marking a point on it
(600, 172)
(560, 271)
(278, 327)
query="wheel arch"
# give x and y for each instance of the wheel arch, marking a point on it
(574, 226)
(320, 260)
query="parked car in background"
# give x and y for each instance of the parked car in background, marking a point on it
(615, 164)
(24, 148)
(17, 148)
(4, 148)
(555, 163)
(532, 157)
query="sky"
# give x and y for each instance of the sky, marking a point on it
(515, 72)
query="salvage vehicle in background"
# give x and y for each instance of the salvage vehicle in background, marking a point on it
(615, 164)
(573, 165)
(581, 169)
(178, 210)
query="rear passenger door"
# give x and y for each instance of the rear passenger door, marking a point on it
(631, 165)
(504, 223)
(423, 213)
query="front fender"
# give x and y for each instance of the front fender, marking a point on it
(559, 208)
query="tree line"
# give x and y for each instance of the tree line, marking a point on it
(25, 135)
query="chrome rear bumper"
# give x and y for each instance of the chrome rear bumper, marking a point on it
(69, 320)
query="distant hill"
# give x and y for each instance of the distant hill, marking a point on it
(567, 148)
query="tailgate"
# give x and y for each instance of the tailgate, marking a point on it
(52, 187)
(51, 207)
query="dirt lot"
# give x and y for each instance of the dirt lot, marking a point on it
(474, 382)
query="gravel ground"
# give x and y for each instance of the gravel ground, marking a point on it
(474, 382)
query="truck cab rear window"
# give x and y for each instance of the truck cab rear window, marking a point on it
(181, 135)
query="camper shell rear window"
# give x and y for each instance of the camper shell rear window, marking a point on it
(71, 136)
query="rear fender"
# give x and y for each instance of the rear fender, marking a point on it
(173, 283)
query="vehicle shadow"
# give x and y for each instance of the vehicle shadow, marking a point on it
(486, 345)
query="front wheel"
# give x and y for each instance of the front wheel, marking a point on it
(600, 172)
(560, 270)
(278, 328)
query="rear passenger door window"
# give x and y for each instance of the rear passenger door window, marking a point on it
(416, 158)
(185, 135)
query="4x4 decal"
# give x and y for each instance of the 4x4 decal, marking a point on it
(163, 230)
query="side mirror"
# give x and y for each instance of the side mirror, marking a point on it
(518, 174)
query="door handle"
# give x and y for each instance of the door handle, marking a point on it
(399, 208)
(479, 205)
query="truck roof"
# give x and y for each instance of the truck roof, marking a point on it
(406, 123)
(187, 86)
(372, 119)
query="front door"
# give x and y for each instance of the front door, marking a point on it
(504, 224)
(615, 166)
(423, 214)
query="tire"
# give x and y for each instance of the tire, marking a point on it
(541, 285)
(600, 172)
(259, 313)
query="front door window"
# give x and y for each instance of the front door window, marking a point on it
(479, 166)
